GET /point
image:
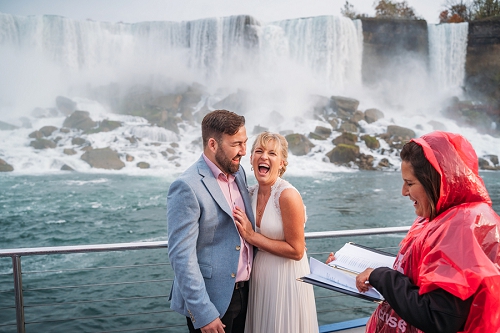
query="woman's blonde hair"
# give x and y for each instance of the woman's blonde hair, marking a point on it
(280, 144)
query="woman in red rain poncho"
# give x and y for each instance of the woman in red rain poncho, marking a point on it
(446, 277)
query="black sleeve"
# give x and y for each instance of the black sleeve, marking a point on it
(437, 311)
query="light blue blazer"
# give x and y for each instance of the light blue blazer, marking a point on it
(203, 243)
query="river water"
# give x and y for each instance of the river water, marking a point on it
(78, 208)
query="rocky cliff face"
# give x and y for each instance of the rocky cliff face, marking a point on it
(388, 43)
(483, 61)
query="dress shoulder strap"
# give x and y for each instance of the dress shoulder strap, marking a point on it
(279, 186)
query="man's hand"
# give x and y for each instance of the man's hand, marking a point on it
(215, 326)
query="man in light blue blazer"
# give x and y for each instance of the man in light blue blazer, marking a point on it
(211, 262)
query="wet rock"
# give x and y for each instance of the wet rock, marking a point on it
(5, 167)
(343, 154)
(348, 127)
(345, 138)
(192, 96)
(321, 105)
(129, 158)
(286, 132)
(236, 102)
(66, 167)
(103, 158)
(65, 105)
(69, 151)
(7, 126)
(298, 144)
(400, 133)
(334, 122)
(315, 136)
(143, 165)
(78, 141)
(187, 114)
(436, 125)
(259, 129)
(357, 117)
(365, 162)
(371, 141)
(323, 131)
(345, 104)
(132, 139)
(42, 144)
(80, 120)
(106, 126)
(47, 130)
(372, 115)
(484, 164)
(36, 135)
(384, 164)
(168, 102)
(493, 159)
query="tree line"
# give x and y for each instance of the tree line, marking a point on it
(455, 11)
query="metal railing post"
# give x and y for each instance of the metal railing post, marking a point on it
(18, 289)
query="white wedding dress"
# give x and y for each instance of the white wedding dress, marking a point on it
(277, 301)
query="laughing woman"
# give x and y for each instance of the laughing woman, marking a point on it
(277, 301)
(446, 277)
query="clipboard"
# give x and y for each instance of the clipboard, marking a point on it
(309, 280)
(340, 277)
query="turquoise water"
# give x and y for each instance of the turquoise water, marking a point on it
(74, 208)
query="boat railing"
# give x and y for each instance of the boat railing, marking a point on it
(66, 291)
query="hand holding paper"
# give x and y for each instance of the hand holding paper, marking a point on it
(340, 274)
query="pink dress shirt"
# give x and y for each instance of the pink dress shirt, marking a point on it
(233, 198)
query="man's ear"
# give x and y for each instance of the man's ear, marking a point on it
(212, 145)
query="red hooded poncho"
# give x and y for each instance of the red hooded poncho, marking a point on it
(459, 250)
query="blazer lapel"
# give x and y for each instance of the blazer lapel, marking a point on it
(212, 186)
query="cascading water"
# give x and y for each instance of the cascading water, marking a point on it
(279, 65)
(330, 47)
(208, 50)
(447, 53)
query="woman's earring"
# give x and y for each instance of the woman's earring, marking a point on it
(251, 168)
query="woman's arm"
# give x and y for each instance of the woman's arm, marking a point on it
(293, 215)
(436, 311)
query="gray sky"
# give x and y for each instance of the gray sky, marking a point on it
(181, 10)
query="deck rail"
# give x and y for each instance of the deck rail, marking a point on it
(19, 290)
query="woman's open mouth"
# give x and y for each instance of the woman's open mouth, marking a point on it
(263, 168)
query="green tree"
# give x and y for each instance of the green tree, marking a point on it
(348, 11)
(466, 11)
(456, 11)
(389, 9)
(485, 8)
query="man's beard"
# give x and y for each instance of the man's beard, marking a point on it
(225, 162)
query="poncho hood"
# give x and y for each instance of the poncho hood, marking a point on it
(456, 161)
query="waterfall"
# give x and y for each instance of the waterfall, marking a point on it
(447, 53)
(330, 46)
(238, 51)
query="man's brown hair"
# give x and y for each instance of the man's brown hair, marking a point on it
(220, 122)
